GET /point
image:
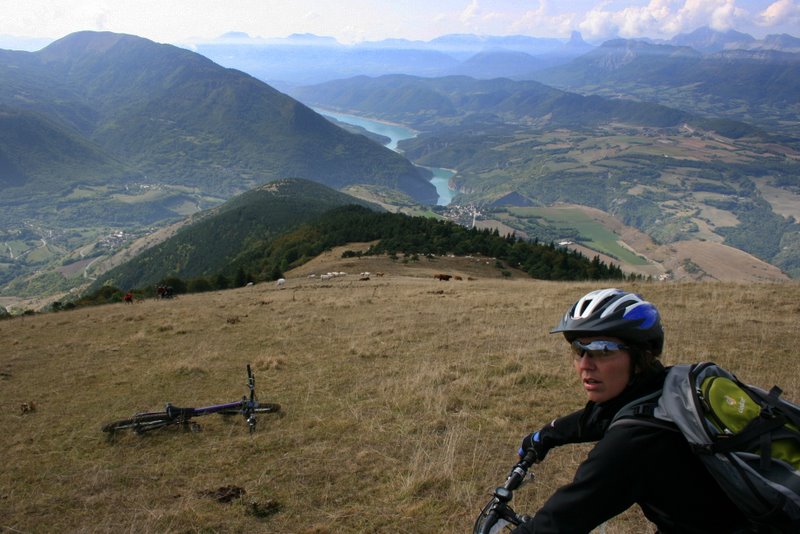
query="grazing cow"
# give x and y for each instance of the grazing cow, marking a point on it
(458, 277)
(442, 277)
(378, 274)
(280, 283)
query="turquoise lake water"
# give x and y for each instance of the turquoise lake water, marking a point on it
(396, 133)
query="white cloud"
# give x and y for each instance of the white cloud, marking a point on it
(354, 20)
(663, 18)
(782, 12)
(718, 14)
(544, 22)
(598, 23)
(470, 12)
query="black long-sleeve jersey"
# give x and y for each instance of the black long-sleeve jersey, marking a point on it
(633, 464)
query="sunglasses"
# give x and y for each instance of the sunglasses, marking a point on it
(599, 349)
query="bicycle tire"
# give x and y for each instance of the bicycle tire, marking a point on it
(140, 423)
(497, 525)
(268, 407)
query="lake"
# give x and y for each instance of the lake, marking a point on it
(396, 133)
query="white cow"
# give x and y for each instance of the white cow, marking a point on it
(280, 283)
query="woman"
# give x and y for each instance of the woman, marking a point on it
(616, 339)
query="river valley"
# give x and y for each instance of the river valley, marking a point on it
(396, 133)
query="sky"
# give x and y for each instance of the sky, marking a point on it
(353, 21)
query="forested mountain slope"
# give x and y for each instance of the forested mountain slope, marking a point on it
(179, 118)
(105, 134)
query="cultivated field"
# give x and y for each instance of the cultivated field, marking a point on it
(404, 398)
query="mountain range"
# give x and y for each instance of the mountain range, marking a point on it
(706, 72)
(104, 134)
(679, 176)
(141, 112)
(756, 85)
(309, 59)
(456, 101)
(103, 131)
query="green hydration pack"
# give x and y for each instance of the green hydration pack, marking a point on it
(748, 438)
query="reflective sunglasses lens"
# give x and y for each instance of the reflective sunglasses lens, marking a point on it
(596, 348)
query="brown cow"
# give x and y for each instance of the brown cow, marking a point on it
(442, 277)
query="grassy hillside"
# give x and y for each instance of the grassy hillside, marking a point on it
(404, 398)
(259, 235)
(211, 244)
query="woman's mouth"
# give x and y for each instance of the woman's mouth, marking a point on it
(591, 383)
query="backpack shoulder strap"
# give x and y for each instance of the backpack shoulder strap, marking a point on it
(642, 412)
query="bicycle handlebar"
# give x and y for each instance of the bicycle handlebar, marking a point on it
(498, 507)
(518, 472)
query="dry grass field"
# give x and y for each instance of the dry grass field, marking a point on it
(404, 399)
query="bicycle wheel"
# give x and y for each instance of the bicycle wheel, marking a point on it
(267, 407)
(494, 524)
(139, 423)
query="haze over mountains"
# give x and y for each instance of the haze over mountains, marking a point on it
(689, 141)
(304, 59)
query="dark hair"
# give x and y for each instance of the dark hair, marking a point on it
(643, 359)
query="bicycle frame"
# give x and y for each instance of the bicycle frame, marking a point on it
(247, 407)
(497, 514)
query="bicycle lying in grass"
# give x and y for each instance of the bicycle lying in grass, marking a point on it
(172, 415)
(498, 516)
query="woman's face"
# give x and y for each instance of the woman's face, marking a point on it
(603, 376)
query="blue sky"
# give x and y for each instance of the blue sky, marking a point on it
(350, 21)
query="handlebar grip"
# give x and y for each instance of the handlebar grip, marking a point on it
(519, 471)
(529, 458)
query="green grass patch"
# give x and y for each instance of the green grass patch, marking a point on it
(150, 195)
(592, 234)
(85, 192)
(41, 254)
(15, 247)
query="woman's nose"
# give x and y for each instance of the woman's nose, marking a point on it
(585, 361)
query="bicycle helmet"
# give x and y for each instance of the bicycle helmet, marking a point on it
(615, 313)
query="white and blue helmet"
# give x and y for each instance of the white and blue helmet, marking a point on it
(616, 313)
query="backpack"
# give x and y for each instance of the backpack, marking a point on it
(747, 438)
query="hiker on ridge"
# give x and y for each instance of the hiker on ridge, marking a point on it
(616, 340)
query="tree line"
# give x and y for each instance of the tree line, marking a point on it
(268, 259)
